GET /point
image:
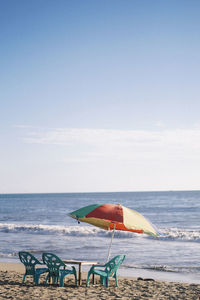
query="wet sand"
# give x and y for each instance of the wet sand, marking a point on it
(129, 288)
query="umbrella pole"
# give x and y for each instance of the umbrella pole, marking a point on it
(111, 243)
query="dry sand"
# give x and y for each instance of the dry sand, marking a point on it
(129, 288)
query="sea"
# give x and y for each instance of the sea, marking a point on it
(40, 223)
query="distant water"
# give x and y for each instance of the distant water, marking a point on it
(40, 222)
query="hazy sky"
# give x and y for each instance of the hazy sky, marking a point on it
(100, 95)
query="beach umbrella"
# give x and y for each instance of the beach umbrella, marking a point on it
(114, 217)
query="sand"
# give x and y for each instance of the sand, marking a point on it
(129, 288)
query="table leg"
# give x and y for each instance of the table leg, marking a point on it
(79, 274)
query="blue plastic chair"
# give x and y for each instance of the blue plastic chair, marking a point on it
(30, 261)
(110, 270)
(55, 271)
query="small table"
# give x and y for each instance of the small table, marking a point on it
(80, 263)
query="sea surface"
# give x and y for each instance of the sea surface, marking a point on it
(40, 222)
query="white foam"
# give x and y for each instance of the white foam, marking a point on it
(179, 234)
(63, 230)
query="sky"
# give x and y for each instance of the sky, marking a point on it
(99, 95)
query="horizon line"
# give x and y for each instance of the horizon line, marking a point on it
(108, 192)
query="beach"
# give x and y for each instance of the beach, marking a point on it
(129, 288)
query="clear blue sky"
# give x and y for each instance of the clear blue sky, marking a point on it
(99, 95)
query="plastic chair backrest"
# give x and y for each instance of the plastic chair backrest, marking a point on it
(29, 261)
(114, 263)
(53, 262)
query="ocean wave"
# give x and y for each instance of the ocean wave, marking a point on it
(173, 234)
(8, 255)
(48, 229)
(181, 234)
(164, 268)
(79, 231)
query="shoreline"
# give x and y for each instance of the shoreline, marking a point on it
(17, 266)
(11, 287)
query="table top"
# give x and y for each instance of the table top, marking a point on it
(82, 262)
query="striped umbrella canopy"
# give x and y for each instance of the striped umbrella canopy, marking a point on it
(114, 217)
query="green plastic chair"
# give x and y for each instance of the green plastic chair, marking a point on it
(30, 261)
(55, 271)
(110, 270)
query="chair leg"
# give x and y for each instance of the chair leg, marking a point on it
(116, 281)
(47, 279)
(55, 279)
(106, 281)
(62, 277)
(62, 280)
(75, 276)
(37, 279)
(24, 279)
(88, 280)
